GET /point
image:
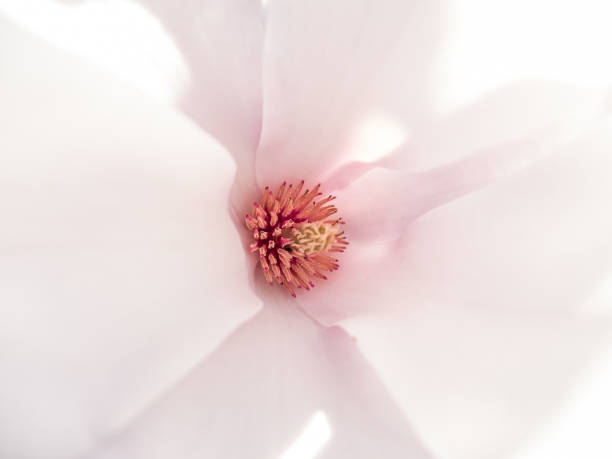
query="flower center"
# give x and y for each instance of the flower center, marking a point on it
(293, 235)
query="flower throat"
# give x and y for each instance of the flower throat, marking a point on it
(295, 236)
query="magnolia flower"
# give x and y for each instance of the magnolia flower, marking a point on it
(466, 148)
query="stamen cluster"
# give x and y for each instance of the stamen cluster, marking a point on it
(293, 236)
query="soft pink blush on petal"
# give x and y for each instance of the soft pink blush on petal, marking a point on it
(527, 111)
(332, 67)
(329, 67)
(395, 197)
(381, 204)
(279, 382)
(474, 314)
(543, 229)
(222, 43)
(120, 267)
(516, 111)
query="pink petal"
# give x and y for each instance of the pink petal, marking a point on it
(384, 201)
(329, 67)
(498, 132)
(279, 387)
(473, 318)
(333, 70)
(516, 111)
(221, 41)
(537, 239)
(186, 55)
(120, 267)
(381, 207)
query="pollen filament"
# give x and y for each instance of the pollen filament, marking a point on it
(294, 236)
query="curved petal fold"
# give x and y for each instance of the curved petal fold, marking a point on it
(120, 266)
(478, 318)
(332, 67)
(186, 54)
(345, 80)
(481, 384)
(395, 197)
(285, 387)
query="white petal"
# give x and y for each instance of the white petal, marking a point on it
(119, 264)
(280, 387)
(187, 55)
